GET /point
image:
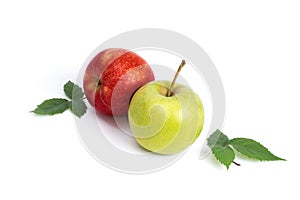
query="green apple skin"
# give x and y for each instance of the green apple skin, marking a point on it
(165, 125)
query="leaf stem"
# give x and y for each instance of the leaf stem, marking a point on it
(237, 164)
(170, 90)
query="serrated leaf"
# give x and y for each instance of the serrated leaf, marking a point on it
(73, 91)
(78, 107)
(224, 154)
(252, 149)
(218, 142)
(217, 138)
(52, 106)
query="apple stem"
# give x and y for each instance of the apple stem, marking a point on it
(237, 164)
(170, 90)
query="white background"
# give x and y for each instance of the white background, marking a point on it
(254, 44)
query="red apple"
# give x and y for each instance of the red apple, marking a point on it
(112, 77)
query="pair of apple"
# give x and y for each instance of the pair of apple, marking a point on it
(164, 117)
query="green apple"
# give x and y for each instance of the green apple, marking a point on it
(165, 118)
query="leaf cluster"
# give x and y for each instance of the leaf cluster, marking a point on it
(75, 102)
(223, 149)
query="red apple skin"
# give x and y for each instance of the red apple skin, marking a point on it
(112, 77)
(94, 71)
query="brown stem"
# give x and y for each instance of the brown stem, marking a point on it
(170, 90)
(237, 164)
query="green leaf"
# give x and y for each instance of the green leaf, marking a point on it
(224, 154)
(252, 149)
(73, 91)
(52, 106)
(217, 138)
(218, 142)
(78, 107)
